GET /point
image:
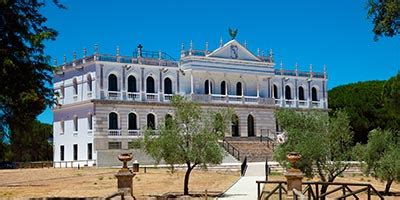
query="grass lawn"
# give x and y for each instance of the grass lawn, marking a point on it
(100, 182)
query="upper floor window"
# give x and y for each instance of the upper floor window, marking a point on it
(207, 87)
(167, 86)
(75, 86)
(132, 121)
(150, 86)
(90, 122)
(301, 93)
(223, 88)
(75, 123)
(113, 121)
(89, 83)
(239, 91)
(151, 121)
(112, 83)
(275, 91)
(288, 92)
(314, 94)
(62, 91)
(132, 84)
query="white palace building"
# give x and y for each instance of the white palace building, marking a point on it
(107, 101)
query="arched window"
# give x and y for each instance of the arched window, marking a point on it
(301, 93)
(235, 126)
(75, 85)
(167, 86)
(150, 87)
(250, 126)
(288, 92)
(168, 120)
(151, 121)
(314, 94)
(207, 87)
(113, 121)
(132, 84)
(275, 88)
(223, 88)
(89, 83)
(112, 83)
(239, 89)
(132, 121)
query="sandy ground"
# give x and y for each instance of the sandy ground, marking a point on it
(93, 182)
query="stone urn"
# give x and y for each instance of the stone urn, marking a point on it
(293, 157)
(125, 158)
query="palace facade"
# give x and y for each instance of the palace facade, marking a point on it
(107, 101)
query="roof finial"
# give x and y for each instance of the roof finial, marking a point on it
(271, 56)
(117, 50)
(324, 71)
(84, 52)
(74, 55)
(206, 47)
(245, 44)
(258, 52)
(221, 42)
(183, 47)
(281, 64)
(297, 69)
(65, 59)
(96, 49)
(233, 32)
(310, 67)
(262, 53)
(191, 45)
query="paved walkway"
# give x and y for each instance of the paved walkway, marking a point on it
(246, 188)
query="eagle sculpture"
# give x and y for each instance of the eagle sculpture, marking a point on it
(233, 33)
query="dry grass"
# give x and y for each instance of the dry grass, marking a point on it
(92, 182)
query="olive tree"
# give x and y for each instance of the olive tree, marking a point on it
(190, 137)
(323, 141)
(382, 156)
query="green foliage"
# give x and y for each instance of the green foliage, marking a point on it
(364, 104)
(25, 76)
(391, 94)
(385, 16)
(322, 140)
(382, 156)
(190, 137)
(32, 145)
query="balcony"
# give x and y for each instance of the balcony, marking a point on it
(114, 95)
(217, 98)
(168, 97)
(152, 97)
(134, 96)
(114, 132)
(134, 133)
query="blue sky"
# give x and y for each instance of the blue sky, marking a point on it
(332, 33)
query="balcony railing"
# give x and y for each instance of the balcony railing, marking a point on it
(114, 132)
(114, 95)
(168, 97)
(134, 133)
(135, 96)
(89, 94)
(152, 97)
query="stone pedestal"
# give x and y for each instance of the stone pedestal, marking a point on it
(125, 183)
(294, 180)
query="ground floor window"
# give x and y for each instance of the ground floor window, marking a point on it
(89, 151)
(62, 152)
(114, 145)
(75, 152)
(134, 144)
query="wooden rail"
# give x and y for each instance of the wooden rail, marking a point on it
(312, 190)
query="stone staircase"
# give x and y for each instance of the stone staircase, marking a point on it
(256, 149)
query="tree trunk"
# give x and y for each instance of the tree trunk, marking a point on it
(387, 187)
(324, 188)
(186, 182)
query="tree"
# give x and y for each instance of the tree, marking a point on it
(391, 94)
(323, 141)
(33, 145)
(364, 104)
(25, 76)
(190, 137)
(385, 16)
(382, 156)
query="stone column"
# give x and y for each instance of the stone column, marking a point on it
(293, 175)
